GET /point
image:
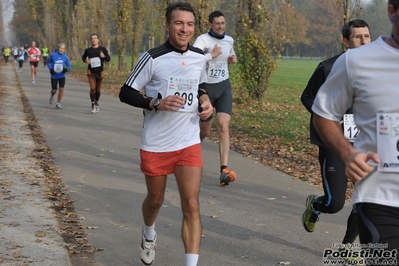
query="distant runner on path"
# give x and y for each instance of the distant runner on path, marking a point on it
(94, 57)
(58, 64)
(34, 57)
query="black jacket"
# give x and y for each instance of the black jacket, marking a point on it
(317, 79)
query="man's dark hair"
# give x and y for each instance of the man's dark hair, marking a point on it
(94, 34)
(178, 6)
(356, 23)
(395, 4)
(214, 14)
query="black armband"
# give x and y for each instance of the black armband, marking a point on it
(202, 92)
(134, 97)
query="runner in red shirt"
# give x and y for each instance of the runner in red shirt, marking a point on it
(34, 56)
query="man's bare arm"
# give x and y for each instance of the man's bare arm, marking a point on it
(355, 162)
(331, 134)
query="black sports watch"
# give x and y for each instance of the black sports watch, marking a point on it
(156, 103)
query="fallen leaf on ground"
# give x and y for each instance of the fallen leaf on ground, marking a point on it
(92, 227)
(40, 234)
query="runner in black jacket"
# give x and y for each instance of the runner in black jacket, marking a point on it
(355, 33)
(95, 57)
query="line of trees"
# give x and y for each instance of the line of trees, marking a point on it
(263, 29)
(2, 29)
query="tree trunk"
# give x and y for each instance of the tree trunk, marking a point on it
(138, 25)
(122, 15)
(73, 50)
(347, 10)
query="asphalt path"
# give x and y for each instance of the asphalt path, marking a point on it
(253, 221)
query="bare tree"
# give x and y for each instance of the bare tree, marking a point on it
(72, 29)
(122, 16)
(351, 8)
(138, 25)
(99, 20)
(375, 15)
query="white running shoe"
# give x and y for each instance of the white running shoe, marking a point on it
(58, 106)
(147, 250)
(93, 110)
(33, 81)
(51, 99)
(96, 108)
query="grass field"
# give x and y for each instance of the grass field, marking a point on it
(281, 114)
